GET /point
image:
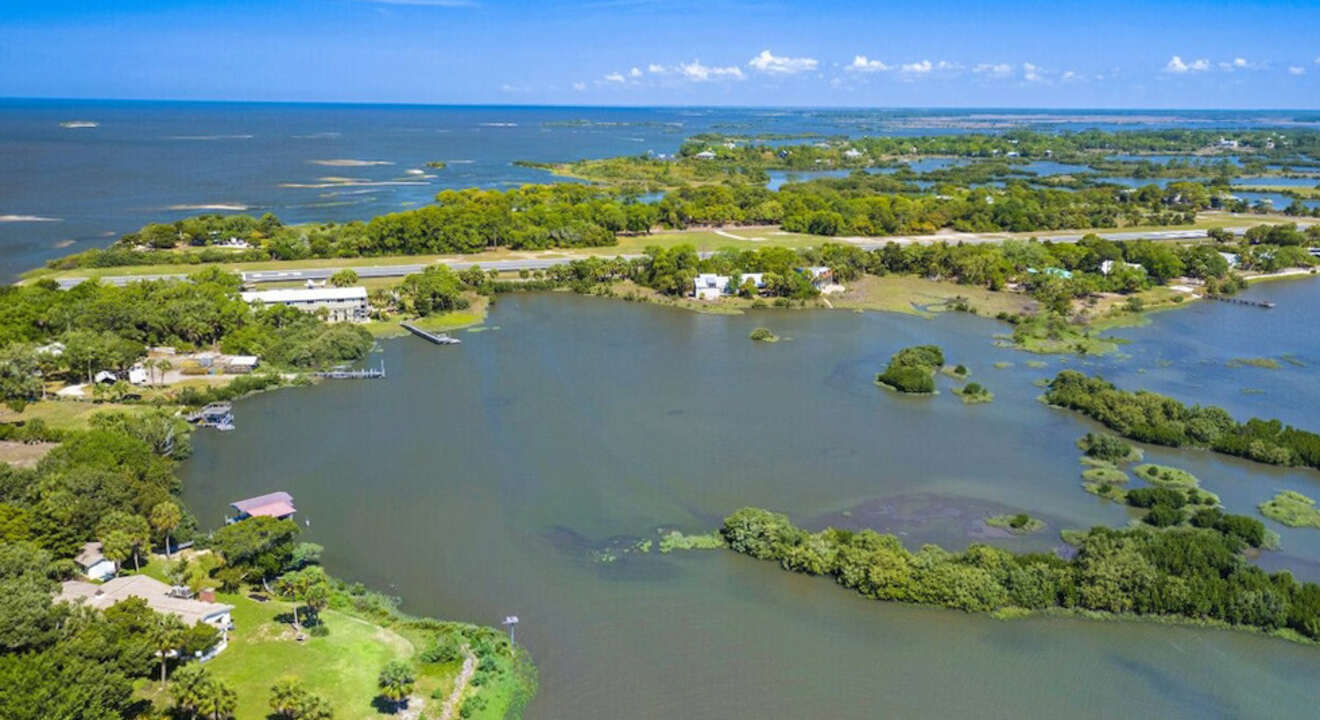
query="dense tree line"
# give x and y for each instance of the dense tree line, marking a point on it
(1192, 572)
(1161, 420)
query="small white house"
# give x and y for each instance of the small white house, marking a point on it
(93, 564)
(852, 153)
(105, 377)
(1108, 266)
(709, 286)
(820, 275)
(1231, 258)
(757, 279)
(705, 155)
(137, 375)
(241, 364)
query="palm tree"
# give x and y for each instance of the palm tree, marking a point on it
(166, 634)
(286, 697)
(189, 687)
(164, 366)
(218, 700)
(396, 683)
(165, 518)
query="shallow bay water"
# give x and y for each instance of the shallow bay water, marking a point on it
(510, 474)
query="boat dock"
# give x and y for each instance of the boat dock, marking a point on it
(346, 374)
(438, 339)
(1239, 301)
(216, 415)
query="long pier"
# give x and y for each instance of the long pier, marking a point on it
(1239, 301)
(438, 339)
(364, 374)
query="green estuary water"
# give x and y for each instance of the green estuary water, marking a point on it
(511, 474)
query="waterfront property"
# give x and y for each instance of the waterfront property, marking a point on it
(819, 274)
(241, 364)
(709, 286)
(93, 564)
(278, 505)
(348, 304)
(160, 597)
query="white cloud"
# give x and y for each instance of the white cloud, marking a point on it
(1070, 76)
(925, 67)
(579, 86)
(1235, 64)
(999, 70)
(862, 64)
(700, 73)
(1176, 65)
(1296, 70)
(635, 73)
(774, 64)
(1030, 73)
(615, 78)
(656, 69)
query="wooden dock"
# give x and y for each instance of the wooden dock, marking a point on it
(364, 374)
(438, 339)
(1239, 301)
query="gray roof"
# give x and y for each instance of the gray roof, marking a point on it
(155, 592)
(90, 555)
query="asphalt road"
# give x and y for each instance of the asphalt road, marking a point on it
(382, 271)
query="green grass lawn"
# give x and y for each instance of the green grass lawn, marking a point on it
(341, 667)
(62, 414)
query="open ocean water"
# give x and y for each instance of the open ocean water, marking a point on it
(77, 173)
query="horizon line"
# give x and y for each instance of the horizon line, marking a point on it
(212, 101)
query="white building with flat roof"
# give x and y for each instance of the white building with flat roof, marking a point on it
(348, 304)
(709, 286)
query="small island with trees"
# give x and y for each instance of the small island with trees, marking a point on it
(912, 370)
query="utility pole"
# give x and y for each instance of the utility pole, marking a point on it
(511, 622)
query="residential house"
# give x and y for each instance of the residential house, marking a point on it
(757, 279)
(1231, 258)
(705, 155)
(819, 274)
(1108, 266)
(241, 364)
(709, 286)
(159, 597)
(277, 505)
(852, 153)
(105, 377)
(93, 564)
(347, 304)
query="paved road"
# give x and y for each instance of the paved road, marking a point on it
(381, 271)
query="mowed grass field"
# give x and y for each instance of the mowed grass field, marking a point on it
(703, 239)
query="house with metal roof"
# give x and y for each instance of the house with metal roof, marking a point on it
(347, 304)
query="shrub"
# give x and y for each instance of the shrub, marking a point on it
(1149, 497)
(1163, 516)
(908, 379)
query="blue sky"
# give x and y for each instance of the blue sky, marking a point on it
(1262, 54)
